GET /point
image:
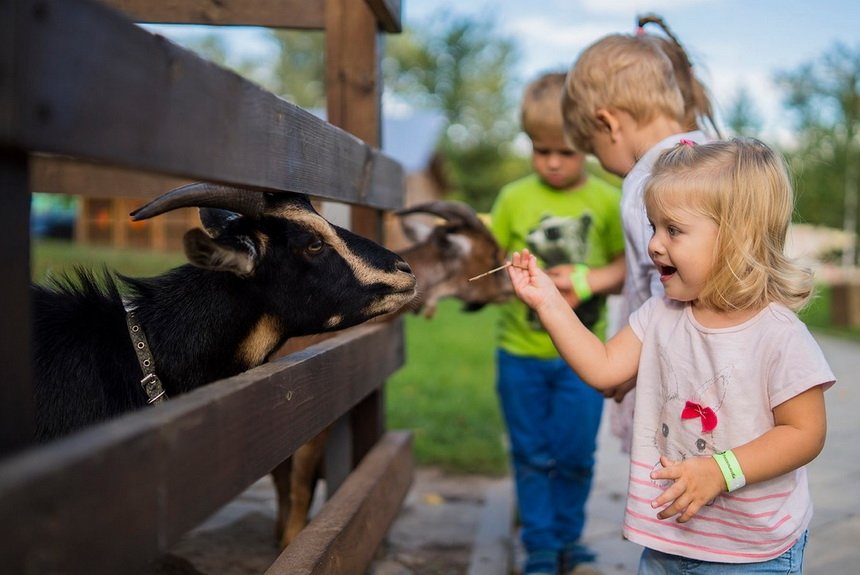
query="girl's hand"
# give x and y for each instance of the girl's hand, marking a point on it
(697, 482)
(530, 284)
(618, 392)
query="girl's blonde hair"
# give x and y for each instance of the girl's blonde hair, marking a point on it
(745, 188)
(621, 72)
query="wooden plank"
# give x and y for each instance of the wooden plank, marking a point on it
(10, 68)
(306, 14)
(353, 88)
(125, 490)
(344, 535)
(100, 88)
(299, 14)
(16, 394)
(64, 175)
(353, 91)
(387, 13)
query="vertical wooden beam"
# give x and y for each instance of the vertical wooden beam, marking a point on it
(353, 102)
(16, 395)
(353, 91)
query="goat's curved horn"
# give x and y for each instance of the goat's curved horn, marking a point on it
(448, 210)
(203, 195)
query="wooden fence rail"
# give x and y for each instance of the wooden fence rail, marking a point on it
(81, 85)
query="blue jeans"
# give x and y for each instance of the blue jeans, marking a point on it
(552, 418)
(657, 563)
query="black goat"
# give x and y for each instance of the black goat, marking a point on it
(269, 268)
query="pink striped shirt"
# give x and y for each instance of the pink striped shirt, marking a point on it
(736, 375)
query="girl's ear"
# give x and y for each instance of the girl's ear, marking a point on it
(609, 122)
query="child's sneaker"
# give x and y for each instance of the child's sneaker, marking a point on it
(541, 563)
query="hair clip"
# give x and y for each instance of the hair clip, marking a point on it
(686, 142)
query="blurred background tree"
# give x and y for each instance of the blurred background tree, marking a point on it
(824, 96)
(742, 116)
(464, 68)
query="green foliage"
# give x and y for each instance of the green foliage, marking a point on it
(818, 316)
(299, 72)
(742, 117)
(462, 66)
(825, 98)
(445, 393)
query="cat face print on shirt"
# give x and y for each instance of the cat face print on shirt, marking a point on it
(689, 422)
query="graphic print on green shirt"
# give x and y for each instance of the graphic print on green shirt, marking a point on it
(582, 225)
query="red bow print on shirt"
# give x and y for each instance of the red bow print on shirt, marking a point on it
(694, 410)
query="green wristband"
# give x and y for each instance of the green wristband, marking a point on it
(731, 469)
(579, 281)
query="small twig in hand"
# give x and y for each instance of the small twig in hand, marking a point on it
(494, 270)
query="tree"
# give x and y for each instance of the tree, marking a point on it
(463, 67)
(742, 117)
(825, 96)
(298, 74)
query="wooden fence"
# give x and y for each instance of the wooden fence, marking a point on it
(92, 101)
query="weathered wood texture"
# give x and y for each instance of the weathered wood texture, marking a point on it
(306, 14)
(16, 395)
(343, 537)
(85, 94)
(88, 83)
(300, 14)
(117, 494)
(65, 175)
(353, 89)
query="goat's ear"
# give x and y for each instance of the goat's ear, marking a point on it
(214, 220)
(454, 245)
(414, 229)
(235, 254)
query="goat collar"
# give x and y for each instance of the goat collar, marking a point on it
(150, 383)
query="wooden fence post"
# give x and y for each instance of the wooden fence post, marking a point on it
(16, 396)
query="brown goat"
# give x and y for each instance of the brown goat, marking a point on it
(443, 258)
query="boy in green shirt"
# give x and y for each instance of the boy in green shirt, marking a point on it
(572, 223)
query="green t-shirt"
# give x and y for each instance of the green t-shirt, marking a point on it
(582, 225)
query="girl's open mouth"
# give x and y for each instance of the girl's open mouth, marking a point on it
(666, 272)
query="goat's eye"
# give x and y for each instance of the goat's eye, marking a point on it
(315, 247)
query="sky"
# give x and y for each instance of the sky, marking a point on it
(732, 43)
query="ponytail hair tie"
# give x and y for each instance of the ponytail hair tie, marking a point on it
(686, 142)
(640, 30)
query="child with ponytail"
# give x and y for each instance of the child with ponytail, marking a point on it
(730, 383)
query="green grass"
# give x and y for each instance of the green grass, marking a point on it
(818, 317)
(52, 257)
(446, 392)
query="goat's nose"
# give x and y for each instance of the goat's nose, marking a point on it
(403, 267)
